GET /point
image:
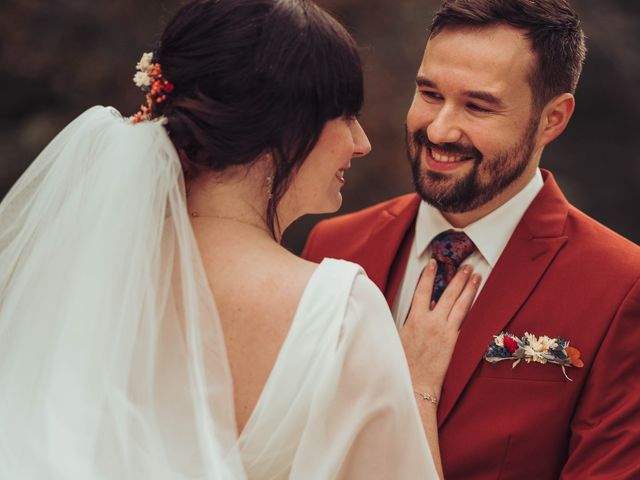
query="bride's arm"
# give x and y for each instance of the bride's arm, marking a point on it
(429, 337)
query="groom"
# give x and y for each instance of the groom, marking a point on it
(495, 87)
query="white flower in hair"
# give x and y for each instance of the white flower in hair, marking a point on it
(141, 79)
(145, 62)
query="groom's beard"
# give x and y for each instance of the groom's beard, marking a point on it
(488, 177)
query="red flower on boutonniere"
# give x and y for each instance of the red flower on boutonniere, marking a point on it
(530, 348)
(510, 344)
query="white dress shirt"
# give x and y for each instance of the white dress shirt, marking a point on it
(490, 234)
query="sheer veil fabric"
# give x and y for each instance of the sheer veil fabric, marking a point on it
(106, 318)
(112, 358)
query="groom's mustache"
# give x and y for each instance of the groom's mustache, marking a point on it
(420, 138)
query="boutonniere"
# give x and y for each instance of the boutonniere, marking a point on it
(530, 348)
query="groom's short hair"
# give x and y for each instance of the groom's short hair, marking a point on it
(552, 26)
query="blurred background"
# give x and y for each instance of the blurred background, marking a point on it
(59, 57)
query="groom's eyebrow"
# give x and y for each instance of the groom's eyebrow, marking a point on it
(486, 97)
(481, 95)
(425, 82)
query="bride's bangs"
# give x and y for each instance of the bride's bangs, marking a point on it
(335, 65)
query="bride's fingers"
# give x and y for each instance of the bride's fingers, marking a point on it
(463, 304)
(422, 297)
(454, 289)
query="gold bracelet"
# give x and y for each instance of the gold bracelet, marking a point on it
(428, 397)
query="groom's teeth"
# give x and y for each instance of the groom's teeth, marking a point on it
(446, 158)
(340, 174)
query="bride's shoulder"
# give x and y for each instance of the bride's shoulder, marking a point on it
(334, 274)
(364, 300)
(367, 327)
(362, 287)
(341, 293)
(338, 289)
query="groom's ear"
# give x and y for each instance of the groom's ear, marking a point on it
(555, 117)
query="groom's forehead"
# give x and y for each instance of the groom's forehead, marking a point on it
(495, 53)
(499, 41)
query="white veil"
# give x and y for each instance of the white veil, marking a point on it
(112, 360)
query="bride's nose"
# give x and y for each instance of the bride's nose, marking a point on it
(361, 145)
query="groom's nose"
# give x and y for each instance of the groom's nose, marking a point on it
(444, 128)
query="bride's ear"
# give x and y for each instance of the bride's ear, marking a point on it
(266, 163)
(267, 157)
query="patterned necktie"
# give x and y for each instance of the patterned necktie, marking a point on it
(449, 249)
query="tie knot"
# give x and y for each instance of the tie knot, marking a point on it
(452, 247)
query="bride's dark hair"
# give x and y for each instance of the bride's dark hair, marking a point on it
(254, 77)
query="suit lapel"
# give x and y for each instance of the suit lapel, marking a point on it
(386, 238)
(532, 247)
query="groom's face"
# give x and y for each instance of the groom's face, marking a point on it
(472, 128)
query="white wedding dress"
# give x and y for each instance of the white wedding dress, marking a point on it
(112, 358)
(338, 402)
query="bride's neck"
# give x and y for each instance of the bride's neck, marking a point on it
(232, 200)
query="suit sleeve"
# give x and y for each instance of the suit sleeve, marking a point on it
(605, 430)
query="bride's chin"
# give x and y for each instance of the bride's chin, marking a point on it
(330, 206)
(333, 205)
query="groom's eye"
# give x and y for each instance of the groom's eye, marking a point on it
(478, 108)
(430, 95)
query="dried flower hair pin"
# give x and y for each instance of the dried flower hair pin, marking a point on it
(149, 78)
(530, 348)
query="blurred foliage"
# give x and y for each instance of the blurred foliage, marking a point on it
(59, 57)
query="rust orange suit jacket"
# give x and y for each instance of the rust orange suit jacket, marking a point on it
(563, 275)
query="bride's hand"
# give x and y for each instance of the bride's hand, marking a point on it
(430, 332)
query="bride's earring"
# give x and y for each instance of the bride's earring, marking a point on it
(270, 187)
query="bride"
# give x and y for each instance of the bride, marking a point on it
(115, 360)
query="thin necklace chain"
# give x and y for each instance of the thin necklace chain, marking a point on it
(232, 219)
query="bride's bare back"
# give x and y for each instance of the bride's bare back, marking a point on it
(257, 285)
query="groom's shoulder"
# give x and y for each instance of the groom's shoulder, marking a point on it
(588, 242)
(340, 235)
(364, 218)
(600, 243)
(594, 234)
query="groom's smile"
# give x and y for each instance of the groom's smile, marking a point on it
(442, 161)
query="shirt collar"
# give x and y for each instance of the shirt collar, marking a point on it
(490, 233)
